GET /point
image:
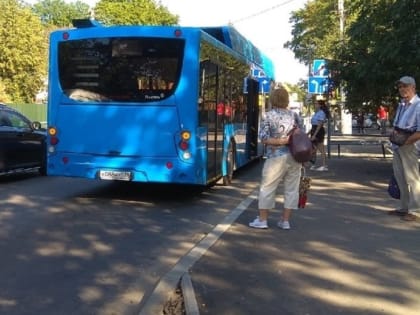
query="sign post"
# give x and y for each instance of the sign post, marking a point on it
(319, 83)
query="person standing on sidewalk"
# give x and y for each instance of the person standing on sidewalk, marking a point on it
(405, 159)
(279, 165)
(382, 116)
(317, 133)
(361, 122)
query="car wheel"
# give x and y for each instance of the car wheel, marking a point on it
(42, 170)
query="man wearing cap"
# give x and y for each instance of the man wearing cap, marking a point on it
(405, 160)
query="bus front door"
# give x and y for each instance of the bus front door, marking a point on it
(252, 119)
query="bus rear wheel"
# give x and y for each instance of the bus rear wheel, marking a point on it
(230, 165)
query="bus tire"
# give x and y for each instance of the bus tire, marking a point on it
(230, 164)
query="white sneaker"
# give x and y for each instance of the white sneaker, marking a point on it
(322, 168)
(259, 224)
(285, 225)
(313, 167)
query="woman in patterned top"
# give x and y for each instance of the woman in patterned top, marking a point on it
(279, 165)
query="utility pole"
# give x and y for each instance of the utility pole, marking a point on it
(346, 126)
(341, 13)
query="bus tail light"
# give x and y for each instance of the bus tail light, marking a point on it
(184, 144)
(186, 135)
(53, 140)
(52, 132)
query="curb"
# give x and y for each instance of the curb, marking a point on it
(169, 282)
(190, 302)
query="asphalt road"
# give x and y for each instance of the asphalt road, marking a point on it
(74, 246)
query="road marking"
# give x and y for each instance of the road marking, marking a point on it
(168, 283)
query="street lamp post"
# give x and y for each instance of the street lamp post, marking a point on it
(345, 126)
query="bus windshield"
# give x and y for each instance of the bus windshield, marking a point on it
(122, 69)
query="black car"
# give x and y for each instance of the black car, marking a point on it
(22, 143)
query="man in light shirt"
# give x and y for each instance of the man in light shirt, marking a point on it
(405, 160)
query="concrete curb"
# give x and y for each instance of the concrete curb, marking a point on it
(169, 282)
(190, 302)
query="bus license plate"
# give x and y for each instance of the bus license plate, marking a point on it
(115, 175)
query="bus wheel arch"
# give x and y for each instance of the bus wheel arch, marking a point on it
(229, 163)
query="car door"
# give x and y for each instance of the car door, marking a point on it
(7, 142)
(24, 147)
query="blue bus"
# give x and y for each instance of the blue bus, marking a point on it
(154, 104)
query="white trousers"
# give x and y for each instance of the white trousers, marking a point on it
(276, 169)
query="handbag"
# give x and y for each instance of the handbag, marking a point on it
(399, 136)
(393, 189)
(304, 185)
(300, 146)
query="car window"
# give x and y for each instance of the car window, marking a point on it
(17, 120)
(5, 121)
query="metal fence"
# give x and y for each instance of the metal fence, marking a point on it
(35, 112)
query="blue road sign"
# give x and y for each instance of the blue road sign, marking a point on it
(318, 85)
(319, 68)
(264, 85)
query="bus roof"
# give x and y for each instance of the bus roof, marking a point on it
(235, 40)
(227, 35)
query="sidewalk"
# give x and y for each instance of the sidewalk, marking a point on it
(343, 255)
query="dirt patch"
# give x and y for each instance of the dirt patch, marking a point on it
(175, 304)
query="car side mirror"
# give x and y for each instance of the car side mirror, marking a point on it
(36, 125)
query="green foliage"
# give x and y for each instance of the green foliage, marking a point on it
(383, 46)
(379, 44)
(133, 12)
(24, 31)
(4, 98)
(59, 13)
(315, 31)
(22, 51)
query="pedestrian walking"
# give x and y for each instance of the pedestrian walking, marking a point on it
(279, 165)
(382, 116)
(405, 159)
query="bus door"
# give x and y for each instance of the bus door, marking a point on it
(252, 118)
(211, 116)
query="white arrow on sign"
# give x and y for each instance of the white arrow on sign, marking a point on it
(315, 82)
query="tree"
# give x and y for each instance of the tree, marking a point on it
(132, 12)
(315, 31)
(59, 13)
(379, 44)
(383, 46)
(22, 51)
(4, 98)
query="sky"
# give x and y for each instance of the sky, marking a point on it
(265, 23)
